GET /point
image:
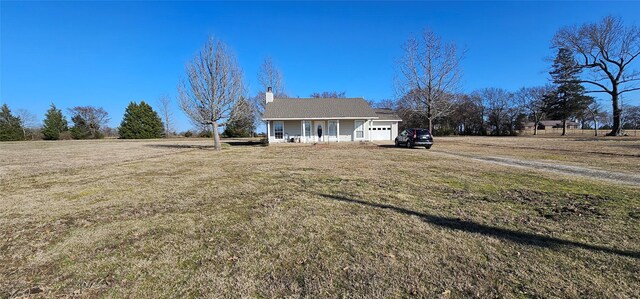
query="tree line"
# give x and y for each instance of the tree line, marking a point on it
(593, 58)
(594, 55)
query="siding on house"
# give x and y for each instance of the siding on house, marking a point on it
(293, 129)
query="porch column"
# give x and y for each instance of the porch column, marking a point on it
(338, 130)
(369, 130)
(268, 131)
(303, 139)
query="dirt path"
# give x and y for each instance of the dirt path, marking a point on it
(617, 177)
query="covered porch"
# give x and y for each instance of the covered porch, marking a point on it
(318, 130)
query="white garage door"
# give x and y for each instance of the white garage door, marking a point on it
(380, 132)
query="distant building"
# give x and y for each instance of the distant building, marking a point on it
(543, 125)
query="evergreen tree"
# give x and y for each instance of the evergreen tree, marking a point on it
(80, 129)
(10, 127)
(140, 121)
(242, 122)
(54, 124)
(568, 99)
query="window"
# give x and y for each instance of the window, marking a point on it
(307, 128)
(359, 129)
(332, 128)
(278, 129)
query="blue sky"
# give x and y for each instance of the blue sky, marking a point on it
(110, 53)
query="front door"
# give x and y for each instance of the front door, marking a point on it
(319, 131)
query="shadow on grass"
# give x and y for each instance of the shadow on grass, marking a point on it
(184, 146)
(387, 145)
(500, 233)
(209, 146)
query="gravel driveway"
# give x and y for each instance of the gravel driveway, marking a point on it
(617, 177)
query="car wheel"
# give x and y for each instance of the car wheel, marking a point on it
(397, 143)
(427, 146)
(409, 144)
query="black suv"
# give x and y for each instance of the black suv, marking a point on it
(415, 136)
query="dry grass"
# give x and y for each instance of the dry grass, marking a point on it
(177, 219)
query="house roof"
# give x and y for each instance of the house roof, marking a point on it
(386, 114)
(346, 108)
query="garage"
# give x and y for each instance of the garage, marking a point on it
(380, 132)
(385, 128)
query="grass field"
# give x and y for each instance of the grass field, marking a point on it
(174, 218)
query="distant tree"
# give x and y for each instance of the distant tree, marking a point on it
(107, 131)
(385, 104)
(87, 121)
(242, 121)
(140, 122)
(269, 75)
(213, 85)
(329, 95)
(166, 113)
(499, 109)
(429, 74)
(467, 115)
(28, 122)
(568, 98)
(54, 123)
(607, 47)
(10, 128)
(532, 100)
(594, 110)
(632, 118)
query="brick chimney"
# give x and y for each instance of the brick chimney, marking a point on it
(269, 95)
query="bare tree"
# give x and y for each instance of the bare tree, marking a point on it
(430, 71)
(607, 47)
(498, 108)
(164, 109)
(269, 75)
(212, 86)
(89, 120)
(329, 94)
(632, 119)
(385, 104)
(594, 110)
(532, 99)
(28, 121)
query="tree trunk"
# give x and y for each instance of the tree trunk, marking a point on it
(535, 127)
(615, 130)
(430, 125)
(216, 137)
(596, 127)
(564, 127)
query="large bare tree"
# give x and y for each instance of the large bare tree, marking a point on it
(532, 100)
(430, 72)
(212, 86)
(607, 48)
(166, 113)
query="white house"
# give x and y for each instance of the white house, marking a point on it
(327, 120)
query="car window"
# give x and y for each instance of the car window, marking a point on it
(423, 132)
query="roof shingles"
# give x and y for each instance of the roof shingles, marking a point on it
(318, 109)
